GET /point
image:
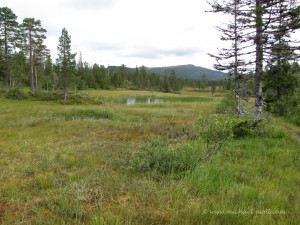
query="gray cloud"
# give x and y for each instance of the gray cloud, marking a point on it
(180, 52)
(149, 53)
(102, 46)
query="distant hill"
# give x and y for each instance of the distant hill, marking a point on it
(189, 72)
(184, 71)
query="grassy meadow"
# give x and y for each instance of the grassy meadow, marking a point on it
(71, 164)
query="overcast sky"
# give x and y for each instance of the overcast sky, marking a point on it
(131, 32)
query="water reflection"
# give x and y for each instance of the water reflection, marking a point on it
(131, 101)
(134, 100)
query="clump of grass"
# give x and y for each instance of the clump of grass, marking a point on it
(88, 114)
(157, 158)
(42, 182)
(209, 178)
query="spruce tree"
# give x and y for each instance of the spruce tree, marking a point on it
(231, 59)
(280, 80)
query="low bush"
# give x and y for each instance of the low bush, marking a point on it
(157, 158)
(16, 94)
(242, 128)
(73, 98)
(47, 96)
(286, 106)
(82, 98)
(296, 118)
(214, 131)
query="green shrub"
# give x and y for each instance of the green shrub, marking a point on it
(286, 106)
(156, 157)
(16, 94)
(79, 98)
(227, 104)
(47, 96)
(297, 116)
(214, 130)
(242, 128)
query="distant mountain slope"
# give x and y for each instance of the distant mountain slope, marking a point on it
(183, 71)
(189, 72)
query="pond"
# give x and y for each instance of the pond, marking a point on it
(133, 100)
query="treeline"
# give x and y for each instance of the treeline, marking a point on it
(26, 62)
(101, 77)
(97, 76)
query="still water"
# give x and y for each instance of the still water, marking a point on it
(135, 100)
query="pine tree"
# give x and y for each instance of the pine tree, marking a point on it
(166, 87)
(144, 78)
(33, 37)
(41, 53)
(66, 60)
(8, 39)
(174, 84)
(136, 77)
(123, 73)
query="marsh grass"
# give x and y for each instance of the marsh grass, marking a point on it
(56, 170)
(188, 99)
(87, 114)
(155, 158)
